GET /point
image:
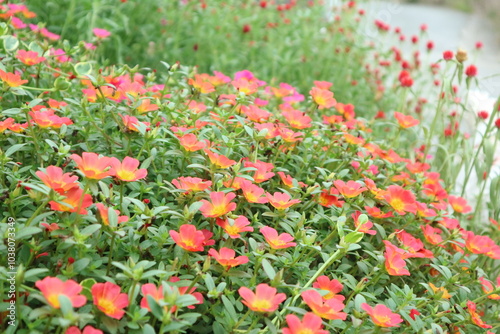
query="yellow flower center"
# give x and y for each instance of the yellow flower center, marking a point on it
(261, 305)
(232, 230)
(397, 204)
(53, 300)
(107, 306)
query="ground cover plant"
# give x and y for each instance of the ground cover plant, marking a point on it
(188, 202)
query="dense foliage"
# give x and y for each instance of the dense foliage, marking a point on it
(140, 202)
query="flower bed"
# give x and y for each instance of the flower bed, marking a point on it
(202, 203)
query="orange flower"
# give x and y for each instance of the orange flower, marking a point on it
(220, 204)
(6, 124)
(265, 298)
(255, 114)
(87, 330)
(322, 97)
(488, 288)
(131, 123)
(288, 180)
(476, 319)
(92, 166)
(459, 204)
(149, 289)
(104, 213)
(127, 169)
(55, 179)
(362, 227)
(327, 198)
(11, 79)
(382, 316)
(253, 192)
(226, 257)
(432, 234)
(191, 184)
(29, 58)
(281, 201)
(72, 202)
(238, 226)
(147, 106)
(53, 287)
(189, 238)
(311, 324)
(395, 260)
(297, 119)
(245, 86)
(440, 293)
(401, 200)
(479, 244)
(219, 160)
(332, 286)
(353, 140)
(263, 172)
(326, 309)
(405, 121)
(47, 119)
(201, 84)
(350, 189)
(276, 241)
(414, 247)
(190, 143)
(108, 299)
(377, 213)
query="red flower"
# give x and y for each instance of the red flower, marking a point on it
(104, 213)
(265, 298)
(327, 198)
(350, 189)
(327, 309)
(395, 260)
(333, 286)
(87, 330)
(476, 319)
(108, 299)
(276, 241)
(405, 79)
(226, 257)
(413, 246)
(459, 204)
(401, 200)
(55, 179)
(432, 234)
(190, 143)
(73, 202)
(311, 324)
(127, 170)
(382, 316)
(220, 204)
(405, 121)
(11, 79)
(281, 201)
(189, 238)
(322, 97)
(448, 55)
(246, 28)
(53, 287)
(48, 119)
(238, 226)
(252, 192)
(488, 288)
(150, 289)
(471, 71)
(92, 166)
(362, 227)
(479, 244)
(191, 184)
(219, 160)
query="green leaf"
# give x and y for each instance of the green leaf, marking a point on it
(91, 229)
(13, 149)
(10, 43)
(270, 272)
(83, 68)
(229, 307)
(148, 329)
(26, 232)
(87, 287)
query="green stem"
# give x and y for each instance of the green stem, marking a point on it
(110, 254)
